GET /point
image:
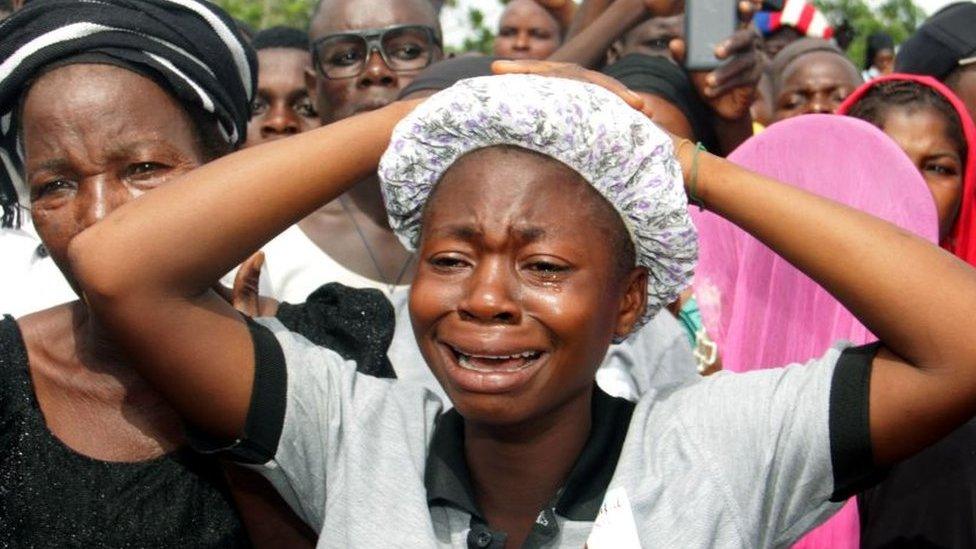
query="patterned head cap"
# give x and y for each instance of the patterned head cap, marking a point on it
(625, 157)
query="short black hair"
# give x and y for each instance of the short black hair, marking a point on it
(280, 37)
(911, 95)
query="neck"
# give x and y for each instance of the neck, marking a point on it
(91, 342)
(70, 338)
(516, 470)
(366, 197)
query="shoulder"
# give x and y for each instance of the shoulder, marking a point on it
(311, 371)
(14, 377)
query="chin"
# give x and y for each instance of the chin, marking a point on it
(493, 410)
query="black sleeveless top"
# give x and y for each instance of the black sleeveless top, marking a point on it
(51, 496)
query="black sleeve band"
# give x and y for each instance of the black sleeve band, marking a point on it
(266, 413)
(850, 431)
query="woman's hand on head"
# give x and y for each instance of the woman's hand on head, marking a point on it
(572, 71)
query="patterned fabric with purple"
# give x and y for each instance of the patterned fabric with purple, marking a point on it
(615, 148)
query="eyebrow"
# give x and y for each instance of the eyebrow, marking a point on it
(470, 232)
(53, 165)
(114, 151)
(460, 232)
(953, 155)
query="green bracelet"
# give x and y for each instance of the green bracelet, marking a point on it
(693, 183)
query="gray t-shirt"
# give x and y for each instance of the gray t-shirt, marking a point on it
(733, 460)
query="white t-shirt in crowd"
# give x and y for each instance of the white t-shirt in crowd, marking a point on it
(296, 267)
(29, 279)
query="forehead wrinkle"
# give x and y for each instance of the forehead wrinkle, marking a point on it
(353, 15)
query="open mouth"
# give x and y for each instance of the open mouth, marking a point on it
(492, 371)
(490, 364)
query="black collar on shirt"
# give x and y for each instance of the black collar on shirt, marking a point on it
(448, 480)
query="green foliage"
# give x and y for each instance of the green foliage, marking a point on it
(899, 18)
(481, 37)
(261, 14)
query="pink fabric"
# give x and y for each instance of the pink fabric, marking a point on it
(760, 310)
(962, 240)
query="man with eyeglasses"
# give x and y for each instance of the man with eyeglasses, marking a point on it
(363, 53)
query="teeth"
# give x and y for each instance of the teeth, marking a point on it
(526, 354)
(464, 361)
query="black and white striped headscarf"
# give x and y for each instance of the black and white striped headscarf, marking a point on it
(191, 47)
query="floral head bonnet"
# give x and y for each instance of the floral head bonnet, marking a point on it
(615, 148)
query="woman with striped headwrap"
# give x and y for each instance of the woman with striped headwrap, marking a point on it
(101, 102)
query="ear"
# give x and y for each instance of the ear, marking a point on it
(634, 302)
(615, 52)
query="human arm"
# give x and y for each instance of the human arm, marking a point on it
(269, 521)
(161, 254)
(587, 12)
(730, 89)
(589, 46)
(923, 381)
(563, 10)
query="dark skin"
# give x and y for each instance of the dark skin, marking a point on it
(378, 86)
(762, 107)
(527, 31)
(668, 116)
(75, 181)
(778, 40)
(504, 270)
(817, 82)
(923, 134)
(282, 107)
(728, 90)
(652, 37)
(197, 351)
(884, 61)
(331, 228)
(962, 81)
(84, 159)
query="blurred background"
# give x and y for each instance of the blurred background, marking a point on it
(469, 24)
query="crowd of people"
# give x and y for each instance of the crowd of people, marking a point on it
(568, 294)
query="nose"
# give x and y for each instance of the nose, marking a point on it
(378, 73)
(821, 104)
(490, 295)
(521, 41)
(280, 121)
(100, 196)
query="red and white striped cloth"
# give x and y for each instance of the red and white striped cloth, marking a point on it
(801, 15)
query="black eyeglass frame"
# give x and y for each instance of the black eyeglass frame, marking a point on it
(374, 42)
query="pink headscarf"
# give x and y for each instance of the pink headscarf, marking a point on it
(761, 310)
